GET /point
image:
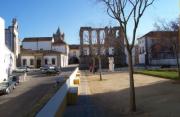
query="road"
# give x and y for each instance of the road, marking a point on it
(21, 100)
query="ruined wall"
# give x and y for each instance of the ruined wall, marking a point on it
(97, 39)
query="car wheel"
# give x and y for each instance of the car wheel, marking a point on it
(14, 87)
(7, 91)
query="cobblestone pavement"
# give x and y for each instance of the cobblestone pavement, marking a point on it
(84, 106)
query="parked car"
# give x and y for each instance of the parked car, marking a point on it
(49, 69)
(22, 69)
(15, 78)
(44, 68)
(6, 87)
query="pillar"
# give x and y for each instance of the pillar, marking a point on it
(81, 42)
(98, 41)
(90, 42)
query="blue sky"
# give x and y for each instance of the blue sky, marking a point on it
(42, 17)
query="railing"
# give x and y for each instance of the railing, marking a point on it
(55, 105)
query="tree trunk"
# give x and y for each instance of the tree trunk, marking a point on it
(100, 68)
(93, 65)
(178, 66)
(131, 78)
(176, 52)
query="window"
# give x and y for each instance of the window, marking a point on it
(31, 62)
(46, 61)
(111, 51)
(74, 53)
(53, 61)
(24, 62)
(85, 52)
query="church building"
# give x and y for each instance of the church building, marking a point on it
(40, 51)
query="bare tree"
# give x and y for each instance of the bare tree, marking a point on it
(128, 12)
(163, 25)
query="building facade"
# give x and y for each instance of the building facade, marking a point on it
(40, 51)
(156, 48)
(9, 46)
(74, 54)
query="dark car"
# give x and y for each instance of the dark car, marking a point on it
(15, 79)
(44, 68)
(7, 87)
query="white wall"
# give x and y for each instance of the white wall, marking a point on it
(49, 58)
(30, 45)
(141, 44)
(56, 102)
(2, 47)
(59, 48)
(28, 58)
(9, 60)
(6, 57)
(64, 60)
(45, 45)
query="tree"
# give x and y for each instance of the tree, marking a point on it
(173, 26)
(163, 25)
(126, 13)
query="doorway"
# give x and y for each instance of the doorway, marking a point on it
(38, 63)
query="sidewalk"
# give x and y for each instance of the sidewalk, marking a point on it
(84, 106)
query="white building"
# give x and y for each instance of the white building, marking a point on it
(39, 51)
(9, 52)
(156, 48)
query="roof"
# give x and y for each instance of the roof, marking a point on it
(74, 46)
(158, 34)
(35, 39)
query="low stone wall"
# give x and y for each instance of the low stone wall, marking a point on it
(164, 62)
(56, 105)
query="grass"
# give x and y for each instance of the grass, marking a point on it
(160, 73)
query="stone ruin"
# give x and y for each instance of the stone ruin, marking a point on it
(99, 41)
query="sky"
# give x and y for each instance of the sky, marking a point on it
(41, 18)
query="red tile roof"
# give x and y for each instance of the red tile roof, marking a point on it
(159, 34)
(35, 39)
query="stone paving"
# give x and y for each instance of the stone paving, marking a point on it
(84, 106)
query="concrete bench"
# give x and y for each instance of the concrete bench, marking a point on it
(72, 95)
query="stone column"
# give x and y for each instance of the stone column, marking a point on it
(98, 41)
(81, 42)
(90, 42)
